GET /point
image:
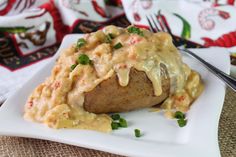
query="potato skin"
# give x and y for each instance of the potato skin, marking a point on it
(110, 97)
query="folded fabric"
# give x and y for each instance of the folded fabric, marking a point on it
(31, 30)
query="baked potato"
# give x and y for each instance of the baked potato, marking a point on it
(113, 70)
(109, 96)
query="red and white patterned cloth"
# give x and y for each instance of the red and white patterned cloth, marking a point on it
(31, 30)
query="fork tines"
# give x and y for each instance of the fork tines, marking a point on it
(157, 24)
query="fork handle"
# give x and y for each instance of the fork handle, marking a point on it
(230, 81)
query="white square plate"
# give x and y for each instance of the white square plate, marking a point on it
(161, 137)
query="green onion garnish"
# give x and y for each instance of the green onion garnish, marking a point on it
(111, 35)
(181, 118)
(137, 133)
(135, 30)
(123, 123)
(118, 122)
(115, 116)
(84, 59)
(109, 38)
(182, 122)
(81, 42)
(179, 115)
(114, 125)
(73, 67)
(118, 45)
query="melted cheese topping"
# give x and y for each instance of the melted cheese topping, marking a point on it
(58, 102)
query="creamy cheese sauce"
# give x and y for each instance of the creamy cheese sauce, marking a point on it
(58, 102)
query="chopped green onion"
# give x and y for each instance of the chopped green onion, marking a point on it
(114, 125)
(81, 42)
(182, 122)
(109, 38)
(123, 123)
(73, 67)
(115, 116)
(179, 115)
(135, 30)
(84, 59)
(111, 35)
(137, 133)
(118, 122)
(118, 45)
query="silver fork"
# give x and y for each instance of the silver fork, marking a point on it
(158, 24)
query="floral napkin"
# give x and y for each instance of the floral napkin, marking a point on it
(32, 30)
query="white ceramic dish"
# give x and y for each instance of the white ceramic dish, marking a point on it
(161, 137)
